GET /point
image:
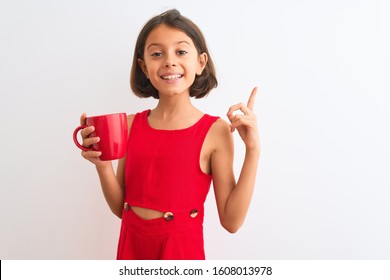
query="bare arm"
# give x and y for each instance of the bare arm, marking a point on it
(112, 189)
(113, 185)
(233, 199)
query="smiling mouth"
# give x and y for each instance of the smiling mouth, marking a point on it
(171, 77)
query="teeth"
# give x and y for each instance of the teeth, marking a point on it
(172, 77)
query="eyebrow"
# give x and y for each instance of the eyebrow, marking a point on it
(159, 45)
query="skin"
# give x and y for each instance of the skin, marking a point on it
(171, 62)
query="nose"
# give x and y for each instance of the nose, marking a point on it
(169, 61)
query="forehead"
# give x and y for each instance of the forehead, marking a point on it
(165, 36)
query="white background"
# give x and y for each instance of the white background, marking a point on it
(323, 69)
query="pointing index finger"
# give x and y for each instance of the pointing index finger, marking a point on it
(251, 100)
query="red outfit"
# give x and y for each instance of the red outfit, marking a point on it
(163, 173)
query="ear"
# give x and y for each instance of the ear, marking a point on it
(202, 63)
(142, 64)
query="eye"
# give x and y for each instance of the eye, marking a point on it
(157, 54)
(181, 52)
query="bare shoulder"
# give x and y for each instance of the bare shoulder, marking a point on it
(220, 134)
(220, 128)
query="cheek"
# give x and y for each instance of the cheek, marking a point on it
(152, 68)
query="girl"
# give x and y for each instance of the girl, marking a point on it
(175, 150)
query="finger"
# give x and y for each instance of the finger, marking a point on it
(87, 131)
(244, 120)
(91, 154)
(230, 115)
(240, 120)
(237, 121)
(90, 141)
(240, 106)
(251, 100)
(83, 117)
(231, 119)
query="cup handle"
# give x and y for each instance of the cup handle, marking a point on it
(77, 141)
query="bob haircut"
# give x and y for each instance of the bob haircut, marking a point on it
(203, 84)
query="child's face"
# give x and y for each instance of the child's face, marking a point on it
(171, 60)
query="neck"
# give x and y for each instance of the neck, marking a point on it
(173, 107)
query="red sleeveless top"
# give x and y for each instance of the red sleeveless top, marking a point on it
(162, 170)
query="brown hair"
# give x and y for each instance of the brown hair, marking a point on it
(203, 83)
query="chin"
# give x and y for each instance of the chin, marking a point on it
(173, 93)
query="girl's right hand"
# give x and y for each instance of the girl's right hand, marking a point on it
(92, 156)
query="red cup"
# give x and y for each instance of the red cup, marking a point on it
(112, 130)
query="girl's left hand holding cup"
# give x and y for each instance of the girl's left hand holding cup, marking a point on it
(246, 123)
